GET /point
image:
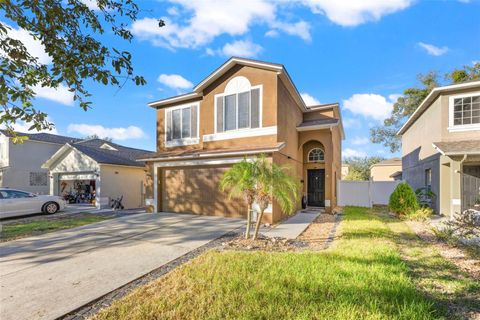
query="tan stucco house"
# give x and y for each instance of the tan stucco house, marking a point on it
(242, 109)
(441, 146)
(96, 171)
(386, 170)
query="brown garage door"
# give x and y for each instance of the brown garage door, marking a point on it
(195, 190)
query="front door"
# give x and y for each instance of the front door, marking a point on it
(316, 187)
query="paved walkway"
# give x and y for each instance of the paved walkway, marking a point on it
(47, 276)
(295, 225)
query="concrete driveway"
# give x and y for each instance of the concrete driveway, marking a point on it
(48, 276)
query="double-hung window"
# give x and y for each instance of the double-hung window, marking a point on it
(182, 125)
(238, 110)
(465, 112)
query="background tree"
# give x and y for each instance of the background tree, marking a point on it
(412, 97)
(95, 136)
(359, 168)
(67, 30)
(273, 182)
(239, 181)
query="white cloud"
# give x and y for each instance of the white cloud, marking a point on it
(91, 4)
(174, 81)
(130, 132)
(241, 48)
(33, 46)
(354, 12)
(359, 141)
(22, 126)
(173, 11)
(300, 29)
(309, 100)
(348, 153)
(61, 94)
(433, 50)
(272, 33)
(369, 105)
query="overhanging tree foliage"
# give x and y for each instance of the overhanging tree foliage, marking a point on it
(411, 99)
(69, 30)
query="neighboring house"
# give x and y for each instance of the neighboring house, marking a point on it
(21, 163)
(345, 170)
(441, 146)
(242, 109)
(386, 170)
(98, 171)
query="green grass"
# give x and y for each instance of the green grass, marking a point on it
(362, 276)
(33, 228)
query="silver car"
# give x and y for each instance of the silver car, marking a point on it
(18, 203)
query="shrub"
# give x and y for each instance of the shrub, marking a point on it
(421, 214)
(403, 200)
(425, 197)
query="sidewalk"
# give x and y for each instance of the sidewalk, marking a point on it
(295, 225)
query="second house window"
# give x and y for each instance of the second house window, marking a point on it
(238, 111)
(181, 123)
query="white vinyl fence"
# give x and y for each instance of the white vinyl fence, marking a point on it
(364, 193)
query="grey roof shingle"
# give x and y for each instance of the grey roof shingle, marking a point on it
(459, 147)
(317, 122)
(44, 137)
(124, 156)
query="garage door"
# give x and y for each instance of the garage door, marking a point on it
(195, 190)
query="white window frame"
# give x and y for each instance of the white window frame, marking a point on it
(315, 161)
(260, 112)
(463, 127)
(182, 141)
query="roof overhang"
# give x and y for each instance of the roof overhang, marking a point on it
(317, 127)
(217, 154)
(49, 164)
(431, 97)
(455, 153)
(198, 89)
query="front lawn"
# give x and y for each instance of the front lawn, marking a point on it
(362, 276)
(25, 229)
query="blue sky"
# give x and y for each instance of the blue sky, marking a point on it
(359, 53)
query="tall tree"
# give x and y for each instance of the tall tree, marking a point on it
(69, 32)
(359, 168)
(412, 97)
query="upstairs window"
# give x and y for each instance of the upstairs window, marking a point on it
(465, 112)
(316, 155)
(428, 179)
(238, 107)
(182, 125)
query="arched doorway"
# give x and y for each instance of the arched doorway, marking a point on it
(314, 164)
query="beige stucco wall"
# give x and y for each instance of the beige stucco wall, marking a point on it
(383, 172)
(116, 181)
(268, 80)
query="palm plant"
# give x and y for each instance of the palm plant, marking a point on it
(273, 183)
(239, 180)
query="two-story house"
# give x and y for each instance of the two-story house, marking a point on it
(242, 109)
(441, 146)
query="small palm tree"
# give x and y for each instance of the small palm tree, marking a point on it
(240, 182)
(273, 183)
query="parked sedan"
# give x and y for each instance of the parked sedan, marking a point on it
(17, 203)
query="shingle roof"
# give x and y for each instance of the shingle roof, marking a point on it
(124, 156)
(458, 147)
(389, 162)
(44, 137)
(194, 153)
(318, 122)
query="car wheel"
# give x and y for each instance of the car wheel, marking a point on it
(50, 208)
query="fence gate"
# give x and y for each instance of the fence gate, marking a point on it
(364, 193)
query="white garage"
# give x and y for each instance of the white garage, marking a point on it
(96, 171)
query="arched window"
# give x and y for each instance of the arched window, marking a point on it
(316, 155)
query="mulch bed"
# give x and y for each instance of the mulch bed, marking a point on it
(318, 236)
(454, 254)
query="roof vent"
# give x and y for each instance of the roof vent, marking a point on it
(108, 147)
